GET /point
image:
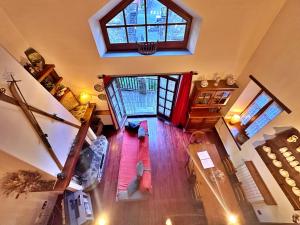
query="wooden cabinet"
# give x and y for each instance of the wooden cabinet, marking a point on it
(49, 78)
(205, 104)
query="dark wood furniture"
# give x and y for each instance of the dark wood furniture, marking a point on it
(207, 191)
(280, 141)
(206, 102)
(49, 75)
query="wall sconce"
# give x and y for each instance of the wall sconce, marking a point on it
(235, 118)
(84, 98)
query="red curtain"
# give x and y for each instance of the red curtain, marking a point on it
(106, 80)
(180, 110)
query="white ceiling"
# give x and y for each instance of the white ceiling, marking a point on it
(230, 32)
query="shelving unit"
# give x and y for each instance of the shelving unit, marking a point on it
(48, 73)
(206, 102)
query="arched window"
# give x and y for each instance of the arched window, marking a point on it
(140, 21)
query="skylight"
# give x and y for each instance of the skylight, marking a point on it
(138, 21)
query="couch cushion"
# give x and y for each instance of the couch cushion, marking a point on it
(141, 133)
(132, 126)
(145, 183)
(139, 169)
(133, 186)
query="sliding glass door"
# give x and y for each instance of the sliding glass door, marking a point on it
(115, 98)
(166, 96)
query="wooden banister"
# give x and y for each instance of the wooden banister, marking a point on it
(69, 167)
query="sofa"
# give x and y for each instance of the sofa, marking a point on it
(90, 166)
(134, 150)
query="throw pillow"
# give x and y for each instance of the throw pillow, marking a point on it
(133, 126)
(141, 133)
(133, 186)
(139, 169)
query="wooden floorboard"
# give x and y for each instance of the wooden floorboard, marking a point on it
(171, 197)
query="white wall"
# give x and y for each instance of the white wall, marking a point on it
(17, 135)
(27, 207)
(276, 65)
(11, 38)
(230, 33)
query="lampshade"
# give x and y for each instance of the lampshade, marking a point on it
(235, 118)
(84, 98)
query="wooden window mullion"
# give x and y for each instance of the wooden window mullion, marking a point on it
(123, 12)
(260, 112)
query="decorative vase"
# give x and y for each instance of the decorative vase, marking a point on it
(204, 83)
(230, 80)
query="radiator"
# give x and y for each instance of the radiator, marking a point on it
(252, 192)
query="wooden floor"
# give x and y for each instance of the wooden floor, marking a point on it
(172, 196)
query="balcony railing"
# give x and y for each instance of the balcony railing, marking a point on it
(141, 84)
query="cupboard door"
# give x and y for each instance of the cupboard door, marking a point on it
(220, 97)
(203, 98)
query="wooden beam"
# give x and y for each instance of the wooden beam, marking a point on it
(13, 88)
(8, 99)
(74, 154)
(283, 106)
(148, 74)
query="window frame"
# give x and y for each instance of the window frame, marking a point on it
(164, 45)
(260, 112)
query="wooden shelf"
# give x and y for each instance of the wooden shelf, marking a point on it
(206, 102)
(279, 141)
(46, 72)
(204, 114)
(222, 85)
(53, 90)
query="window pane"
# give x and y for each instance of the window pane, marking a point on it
(114, 102)
(175, 76)
(163, 83)
(176, 32)
(117, 20)
(156, 12)
(167, 112)
(117, 35)
(170, 95)
(162, 93)
(168, 104)
(160, 109)
(254, 108)
(268, 115)
(110, 91)
(136, 34)
(115, 85)
(161, 102)
(135, 12)
(175, 18)
(156, 33)
(171, 85)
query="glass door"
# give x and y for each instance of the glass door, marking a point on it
(166, 95)
(115, 98)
